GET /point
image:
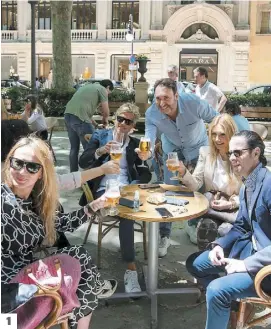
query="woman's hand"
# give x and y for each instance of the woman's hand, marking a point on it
(220, 204)
(110, 167)
(98, 203)
(181, 169)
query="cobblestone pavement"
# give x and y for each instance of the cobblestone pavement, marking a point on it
(175, 311)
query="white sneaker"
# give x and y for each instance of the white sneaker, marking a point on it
(131, 281)
(164, 243)
(107, 289)
(191, 231)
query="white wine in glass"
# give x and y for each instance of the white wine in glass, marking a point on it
(116, 152)
(112, 194)
(173, 164)
(144, 146)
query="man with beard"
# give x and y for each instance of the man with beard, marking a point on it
(180, 118)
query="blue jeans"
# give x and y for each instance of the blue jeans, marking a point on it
(221, 291)
(77, 129)
(165, 227)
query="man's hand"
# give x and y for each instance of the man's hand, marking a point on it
(234, 265)
(111, 167)
(216, 256)
(87, 137)
(106, 148)
(220, 204)
(143, 155)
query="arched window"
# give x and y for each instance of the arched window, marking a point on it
(205, 28)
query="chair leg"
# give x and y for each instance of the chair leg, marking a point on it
(64, 324)
(87, 233)
(144, 231)
(241, 315)
(99, 247)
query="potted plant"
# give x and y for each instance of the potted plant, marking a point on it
(142, 60)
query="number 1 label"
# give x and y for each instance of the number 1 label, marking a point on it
(8, 321)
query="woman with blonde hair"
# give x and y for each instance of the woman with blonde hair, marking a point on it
(30, 218)
(221, 186)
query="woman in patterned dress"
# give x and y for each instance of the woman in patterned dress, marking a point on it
(29, 218)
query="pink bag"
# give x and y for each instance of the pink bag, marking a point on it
(44, 272)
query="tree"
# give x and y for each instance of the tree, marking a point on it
(61, 31)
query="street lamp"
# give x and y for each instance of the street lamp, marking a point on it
(33, 44)
(130, 37)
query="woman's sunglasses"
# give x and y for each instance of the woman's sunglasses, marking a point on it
(236, 153)
(31, 167)
(128, 122)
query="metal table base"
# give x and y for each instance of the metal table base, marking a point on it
(151, 277)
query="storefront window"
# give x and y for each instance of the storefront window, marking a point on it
(190, 59)
(43, 15)
(8, 15)
(83, 67)
(84, 15)
(8, 66)
(121, 11)
(120, 69)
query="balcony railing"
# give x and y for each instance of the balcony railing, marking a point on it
(120, 34)
(84, 35)
(9, 35)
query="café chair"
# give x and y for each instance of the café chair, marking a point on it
(109, 223)
(51, 124)
(260, 129)
(263, 299)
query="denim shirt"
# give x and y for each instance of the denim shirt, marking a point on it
(188, 133)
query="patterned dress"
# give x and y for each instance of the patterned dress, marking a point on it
(23, 231)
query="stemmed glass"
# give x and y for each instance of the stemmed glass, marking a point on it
(118, 136)
(173, 164)
(144, 146)
(112, 193)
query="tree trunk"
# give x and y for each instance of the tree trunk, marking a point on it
(61, 31)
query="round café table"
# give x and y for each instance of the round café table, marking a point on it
(198, 206)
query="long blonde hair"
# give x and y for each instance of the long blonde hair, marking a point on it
(226, 121)
(45, 191)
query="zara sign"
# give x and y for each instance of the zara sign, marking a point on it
(199, 59)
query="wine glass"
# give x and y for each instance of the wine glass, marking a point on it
(116, 152)
(118, 136)
(173, 164)
(144, 146)
(112, 194)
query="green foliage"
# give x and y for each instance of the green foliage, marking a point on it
(253, 100)
(119, 95)
(16, 94)
(53, 102)
(141, 57)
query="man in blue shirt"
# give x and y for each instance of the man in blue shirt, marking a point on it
(180, 118)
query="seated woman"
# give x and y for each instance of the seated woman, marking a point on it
(213, 171)
(234, 110)
(34, 117)
(29, 196)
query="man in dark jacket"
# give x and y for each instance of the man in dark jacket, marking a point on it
(246, 249)
(96, 154)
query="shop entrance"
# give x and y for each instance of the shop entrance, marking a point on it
(192, 58)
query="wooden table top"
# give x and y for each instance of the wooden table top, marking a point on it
(198, 205)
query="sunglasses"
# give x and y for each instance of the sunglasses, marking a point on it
(31, 167)
(128, 122)
(236, 153)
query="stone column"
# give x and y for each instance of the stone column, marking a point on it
(101, 17)
(145, 18)
(156, 15)
(24, 19)
(243, 15)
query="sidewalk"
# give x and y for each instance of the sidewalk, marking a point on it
(175, 311)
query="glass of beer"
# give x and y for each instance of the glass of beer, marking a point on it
(144, 146)
(112, 194)
(116, 152)
(173, 164)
